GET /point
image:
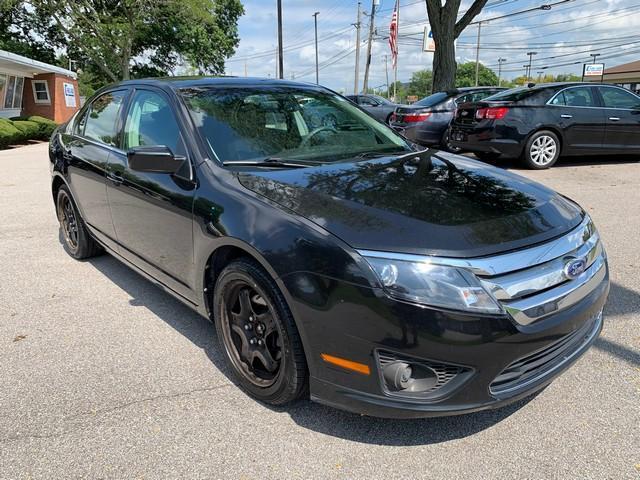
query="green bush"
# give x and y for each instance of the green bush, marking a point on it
(30, 130)
(45, 126)
(9, 134)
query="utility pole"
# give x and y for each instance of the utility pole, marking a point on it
(357, 72)
(531, 54)
(540, 76)
(478, 54)
(372, 17)
(315, 22)
(280, 54)
(386, 73)
(500, 62)
(526, 73)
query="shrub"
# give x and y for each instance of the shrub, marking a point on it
(30, 130)
(45, 126)
(9, 134)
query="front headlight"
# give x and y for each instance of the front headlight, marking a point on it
(434, 285)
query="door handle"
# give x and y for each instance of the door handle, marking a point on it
(115, 178)
(566, 116)
(614, 119)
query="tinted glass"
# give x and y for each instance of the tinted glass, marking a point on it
(575, 97)
(474, 96)
(368, 101)
(618, 98)
(150, 121)
(251, 123)
(100, 124)
(432, 100)
(380, 99)
(514, 94)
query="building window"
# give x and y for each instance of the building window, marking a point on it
(40, 91)
(13, 93)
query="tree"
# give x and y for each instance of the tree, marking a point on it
(466, 75)
(420, 84)
(120, 36)
(445, 28)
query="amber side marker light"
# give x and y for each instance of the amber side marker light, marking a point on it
(348, 364)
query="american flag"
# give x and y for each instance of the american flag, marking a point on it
(393, 35)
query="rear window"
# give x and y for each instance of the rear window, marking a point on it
(432, 100)
(513, 95)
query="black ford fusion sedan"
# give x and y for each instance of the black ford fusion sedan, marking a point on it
(540, 123)
(333, 259)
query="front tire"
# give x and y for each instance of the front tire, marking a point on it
(542, 150)
(258, 334)
(76, 238)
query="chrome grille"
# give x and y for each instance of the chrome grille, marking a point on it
(543, 288)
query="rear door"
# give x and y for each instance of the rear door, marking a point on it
(87, 154)
(622, 114)
(152, 212)
(577, 112)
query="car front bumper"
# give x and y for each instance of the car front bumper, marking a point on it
(369, 322)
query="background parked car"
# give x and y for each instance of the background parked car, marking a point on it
(378, 106)
(540, 123)
(426, 122)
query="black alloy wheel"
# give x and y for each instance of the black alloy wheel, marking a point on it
(76, 239)
(258, 333)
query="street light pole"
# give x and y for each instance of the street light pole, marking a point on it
(372, 17)
(315, 22)
(280, 54)
(500, 62)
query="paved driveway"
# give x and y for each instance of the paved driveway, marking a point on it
(102, 375)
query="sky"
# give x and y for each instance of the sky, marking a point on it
(563, 38)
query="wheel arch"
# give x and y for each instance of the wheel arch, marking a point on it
(56, 183)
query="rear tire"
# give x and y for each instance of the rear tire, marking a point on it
(446, 145)
(542, 150)
(76, 238)
(258, 334)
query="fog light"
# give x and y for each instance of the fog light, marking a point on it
(407, 377)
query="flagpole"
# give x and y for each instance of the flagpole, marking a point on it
(395, 70)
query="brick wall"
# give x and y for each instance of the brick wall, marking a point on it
(56, 109)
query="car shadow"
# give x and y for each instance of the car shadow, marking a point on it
(305, 413)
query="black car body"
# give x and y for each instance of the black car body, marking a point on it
(379, 107)
(392, 282)
(542, 122)
(426, 122)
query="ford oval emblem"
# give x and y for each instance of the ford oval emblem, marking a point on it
(574, 268)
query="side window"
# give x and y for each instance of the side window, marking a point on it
(463, 99)
(150, 121)
(575, 97)
(101, 121)
(368, 101)
(617, 98)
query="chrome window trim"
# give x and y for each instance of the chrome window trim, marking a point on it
(504, 263)
(571, 88)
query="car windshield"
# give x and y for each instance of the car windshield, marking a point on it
(381, 99)
(432, 100)
(245, 124)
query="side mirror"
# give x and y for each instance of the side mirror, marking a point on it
(154, 159)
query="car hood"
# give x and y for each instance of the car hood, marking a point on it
(429, 203)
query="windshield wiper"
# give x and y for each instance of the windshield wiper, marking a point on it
(270, 162)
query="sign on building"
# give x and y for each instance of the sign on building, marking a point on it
(429, 44)
(69, 95)
(593, 70)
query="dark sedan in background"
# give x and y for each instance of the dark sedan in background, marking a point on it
(539, 123)
(426, 122)
(380, 107)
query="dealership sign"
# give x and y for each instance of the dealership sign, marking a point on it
(594, 70)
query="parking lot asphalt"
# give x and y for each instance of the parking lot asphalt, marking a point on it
(103, 375)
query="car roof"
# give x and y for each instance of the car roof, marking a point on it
(178, 83)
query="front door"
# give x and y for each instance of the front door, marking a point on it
(152, 212)
(622, 114)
